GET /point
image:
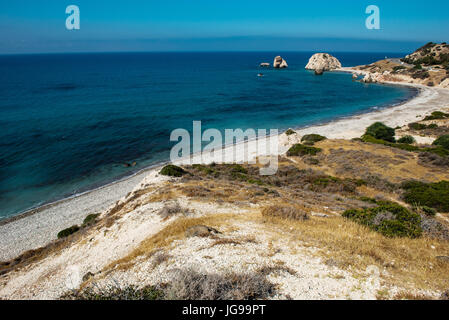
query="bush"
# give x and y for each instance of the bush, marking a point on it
(397, 68)
(90, 219)
(302, 150)
(310, 139)
(428, 211)
(407, 140)
(389, 219)
(286, 212)
(380, 131)
(438, 150)
(115, 292)
(192, 285)
(289, 132)
(442, 141)
(417, 126)
(433, 195)
(172, 171)
(437, 115)
(67, 232)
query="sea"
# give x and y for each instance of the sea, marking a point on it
(73, 122)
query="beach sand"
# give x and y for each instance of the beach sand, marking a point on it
(40, 226)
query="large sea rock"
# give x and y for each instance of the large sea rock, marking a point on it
(280, 63)
(324, 62)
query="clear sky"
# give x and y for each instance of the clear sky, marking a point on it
(210, 25)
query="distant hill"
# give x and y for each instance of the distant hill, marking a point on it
(428, 65)
(432, 54)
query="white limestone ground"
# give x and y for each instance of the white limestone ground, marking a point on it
(310, 277)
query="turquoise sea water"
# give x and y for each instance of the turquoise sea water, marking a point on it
(69, 122)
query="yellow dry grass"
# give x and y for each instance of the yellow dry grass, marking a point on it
(409, 262)
(394, 172)
(165, 237)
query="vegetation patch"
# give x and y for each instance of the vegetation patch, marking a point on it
(192, 285)
(299, 150)
(172, 171)
(442, 141)
(389, 219)
(187, 284)
(90, 219)
(289, 132)
(67, 232)
(380, 131)
(286, 212)
(311, 139)
(114, 292)
(421, 126)
(437, 115)
(407, 147)
(407, 140)
(433, 195)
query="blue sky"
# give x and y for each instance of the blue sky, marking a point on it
(210, 25)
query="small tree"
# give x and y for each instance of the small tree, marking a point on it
(380, 131)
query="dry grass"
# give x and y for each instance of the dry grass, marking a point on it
(408, 261)
(292, 212)
(354, 159)
(411, 296)
(174, 231)
(232, 241)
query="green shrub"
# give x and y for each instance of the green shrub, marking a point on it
(67, 232)
(437, 115)
(442, 141)
(432, 126)
(236, 168)
(289, 132)
(439, 150)
(407, 140)
(397, 68)
(380, 131)
(389, 219)
(302, 150)
(428, 211)
(417, 126)
(172, 171)
(433, 195)
(310, 139)
(90, 219)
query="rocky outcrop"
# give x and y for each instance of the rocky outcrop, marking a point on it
(372, 78)
(319, 72)
(265, 64)
(280, 63)
(323, 61)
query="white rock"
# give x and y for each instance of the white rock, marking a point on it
(323, 61)
(280, 63)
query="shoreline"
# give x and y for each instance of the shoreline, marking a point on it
(45, 221)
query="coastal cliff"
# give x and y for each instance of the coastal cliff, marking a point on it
(428, 65)
(323, 62)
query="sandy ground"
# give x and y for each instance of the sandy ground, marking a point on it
(35, 230)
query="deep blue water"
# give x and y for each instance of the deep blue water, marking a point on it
(69, 122)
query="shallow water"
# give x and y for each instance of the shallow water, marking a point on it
(70, 122)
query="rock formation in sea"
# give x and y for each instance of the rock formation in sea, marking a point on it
(324, 62)
(264, 64)
(280, 63)
(319, 72)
